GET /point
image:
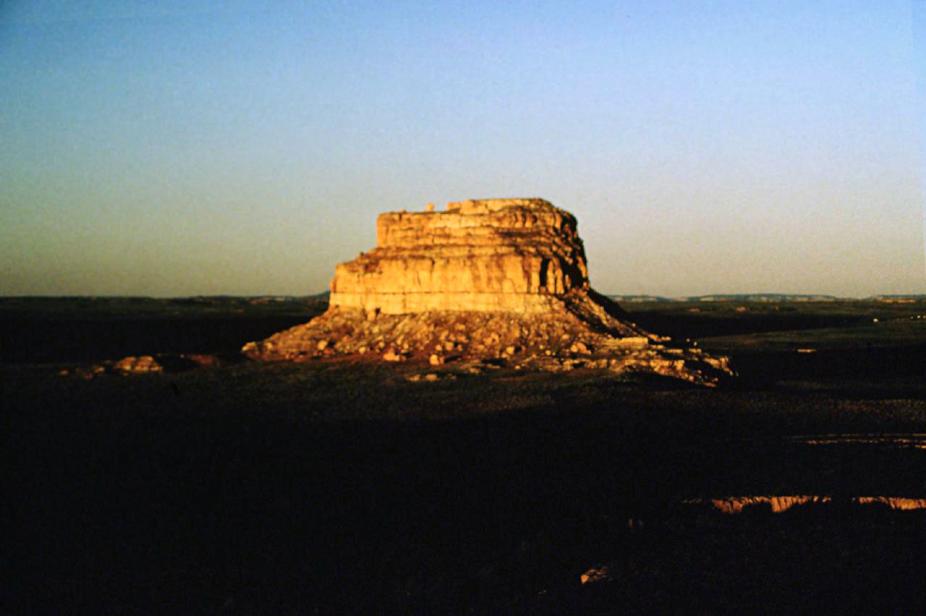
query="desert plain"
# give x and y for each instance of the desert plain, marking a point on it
(352, 485)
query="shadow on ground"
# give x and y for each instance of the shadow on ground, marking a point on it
(340, 487)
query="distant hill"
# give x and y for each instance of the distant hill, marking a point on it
(764, 297)
(631, 299)
(267, 299)
(745, 297)
(898, 299)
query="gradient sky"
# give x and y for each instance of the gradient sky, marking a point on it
(705, 147)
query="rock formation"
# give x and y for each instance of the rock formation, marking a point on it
(780, 504)
(141, 364)
(499, 280)
(513, 255)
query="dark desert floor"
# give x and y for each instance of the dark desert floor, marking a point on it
(342, 487)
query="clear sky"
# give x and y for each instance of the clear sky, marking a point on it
(705, 147)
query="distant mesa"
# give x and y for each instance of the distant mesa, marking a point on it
(496, 281)
(899, 299)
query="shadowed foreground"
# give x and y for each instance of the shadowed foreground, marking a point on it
(333, 487)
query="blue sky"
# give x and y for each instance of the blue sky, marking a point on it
(704, 147)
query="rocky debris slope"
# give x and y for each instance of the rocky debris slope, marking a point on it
(501, 280)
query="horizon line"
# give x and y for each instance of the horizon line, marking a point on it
(606, 294)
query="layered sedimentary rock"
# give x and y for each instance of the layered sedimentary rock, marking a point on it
(491, 255)
(499, 280)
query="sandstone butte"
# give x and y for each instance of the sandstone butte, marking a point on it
(485, 282)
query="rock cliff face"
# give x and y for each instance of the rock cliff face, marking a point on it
(484, 256)
(498, 281)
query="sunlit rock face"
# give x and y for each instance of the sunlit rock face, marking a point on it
(503, 280)
(780, 504)
(480, 255)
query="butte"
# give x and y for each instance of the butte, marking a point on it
(490, 282)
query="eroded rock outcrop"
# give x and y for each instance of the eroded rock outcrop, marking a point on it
(141, 364)
(780, 504)
(512, 255)
(500, 280)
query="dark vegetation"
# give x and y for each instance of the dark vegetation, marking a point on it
(340, 487)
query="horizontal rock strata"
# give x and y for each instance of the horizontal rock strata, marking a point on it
(485, 256)
(501, 280)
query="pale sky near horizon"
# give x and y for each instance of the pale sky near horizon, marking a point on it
(705, 147)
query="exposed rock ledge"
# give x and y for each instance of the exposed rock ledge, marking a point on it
(500, 279)
(780, 504)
